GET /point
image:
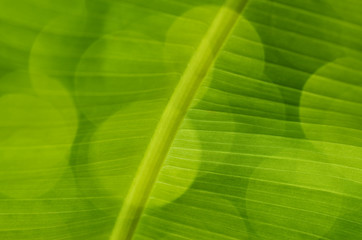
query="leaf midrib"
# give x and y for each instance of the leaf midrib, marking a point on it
(175, 111)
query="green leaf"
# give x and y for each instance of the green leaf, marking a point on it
(213, 119)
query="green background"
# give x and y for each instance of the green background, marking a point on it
(270, 148)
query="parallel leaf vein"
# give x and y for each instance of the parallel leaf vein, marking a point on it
(175, 111)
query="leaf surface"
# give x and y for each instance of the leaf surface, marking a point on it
(176, 119)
